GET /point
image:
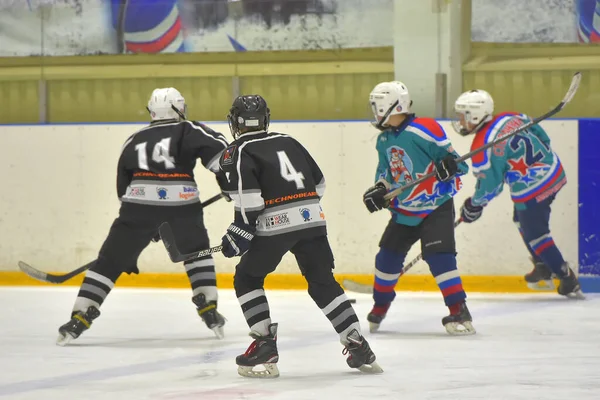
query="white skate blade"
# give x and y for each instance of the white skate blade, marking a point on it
(577, 295)
(372, 368)
(547, 285)
(270, 371)
(219, 332)
(64, 340)
(373, 327)
(458, 329)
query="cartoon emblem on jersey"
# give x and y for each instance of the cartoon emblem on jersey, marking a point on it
(401, 165)
(162, 193)
(305, 212)
(228, 155)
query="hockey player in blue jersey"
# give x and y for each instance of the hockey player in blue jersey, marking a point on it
(410, 147)
(534, 174)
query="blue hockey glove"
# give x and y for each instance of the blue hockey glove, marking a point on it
(446, 168)
(470, 212)
(236, 241)
(373, 197)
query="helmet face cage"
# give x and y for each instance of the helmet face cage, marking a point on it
(473, 110)
(457, 123)
(233, 125)
(377, 122)
(465, 118)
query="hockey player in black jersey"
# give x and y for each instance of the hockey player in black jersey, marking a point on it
(276, 186)
(155, 183)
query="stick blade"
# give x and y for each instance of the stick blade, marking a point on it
(357, 287)
(573, 88)
(32, 272)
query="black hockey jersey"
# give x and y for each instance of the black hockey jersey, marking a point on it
(157, 163)
(275, 183)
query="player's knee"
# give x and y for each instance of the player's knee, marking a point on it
(389, 261)
(440, 263)
(242, 280)
(106, 267)
(319, 276)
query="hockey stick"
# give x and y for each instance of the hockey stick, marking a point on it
(362, 288)
(51, 278)
(58, 278)
(568, 97)
(175, 255)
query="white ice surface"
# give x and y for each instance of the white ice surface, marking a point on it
(149, 344)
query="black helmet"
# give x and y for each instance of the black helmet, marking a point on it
(248, 114)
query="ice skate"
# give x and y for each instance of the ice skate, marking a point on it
(376, 315)
(263, 351)
(569, 285)
(540, 277)
(209, 314)
(79, 323)
(361, 356)
(460, 323)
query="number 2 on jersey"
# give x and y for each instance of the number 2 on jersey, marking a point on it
(530, 157)
(160, 154)
(288, 172)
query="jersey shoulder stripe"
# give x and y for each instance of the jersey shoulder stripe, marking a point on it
(428, 129)
(486, 135)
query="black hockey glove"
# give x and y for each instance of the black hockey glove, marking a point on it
(446, 168)
(470, 212)
(373, 197)
(236, 240)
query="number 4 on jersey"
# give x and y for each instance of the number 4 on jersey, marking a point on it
(288, 172)
(160, 154)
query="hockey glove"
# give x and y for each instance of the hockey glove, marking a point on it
(373, 197)
(446, 168)
(470, 212)
(236, 240)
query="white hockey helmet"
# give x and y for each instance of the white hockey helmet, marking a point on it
(387, 99)
(473, 109)
(166, 103)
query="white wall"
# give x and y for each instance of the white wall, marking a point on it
(57, 199)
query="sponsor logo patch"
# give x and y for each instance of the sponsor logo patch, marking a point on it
(137, 192)
(277, 220)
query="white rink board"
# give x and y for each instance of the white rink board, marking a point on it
(59, 199)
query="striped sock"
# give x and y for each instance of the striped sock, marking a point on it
(342, 316)
(443, 268)
(256, 310)
(94, 290)
(545, 249)
(202, 276)
(535, 257)
(388, 265)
